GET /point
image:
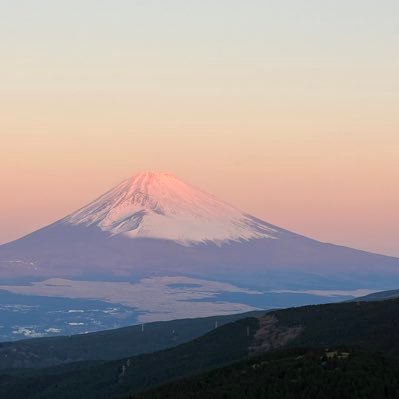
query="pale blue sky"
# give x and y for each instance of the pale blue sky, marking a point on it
(94, 44)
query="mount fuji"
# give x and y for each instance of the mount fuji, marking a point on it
(160, 206)
(154, 237)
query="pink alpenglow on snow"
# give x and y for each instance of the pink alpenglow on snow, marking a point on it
(159, 205)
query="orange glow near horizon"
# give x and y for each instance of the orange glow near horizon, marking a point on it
(332, 189)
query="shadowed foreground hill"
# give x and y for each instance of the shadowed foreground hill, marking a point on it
(104, 379)
(292, 374)
(371, 325)
(109, 344)
(361, 327)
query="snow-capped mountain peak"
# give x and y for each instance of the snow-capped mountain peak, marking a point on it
(159, 205)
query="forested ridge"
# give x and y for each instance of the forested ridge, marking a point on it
(347, 350)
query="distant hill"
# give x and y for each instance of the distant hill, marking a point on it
(379, 296)
(110, 344)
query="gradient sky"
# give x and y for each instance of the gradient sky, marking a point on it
(288, 109)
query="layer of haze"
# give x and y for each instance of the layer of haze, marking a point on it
(286, 109)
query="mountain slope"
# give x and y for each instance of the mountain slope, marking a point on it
(292, 374)
(154, 224)
(109, 344)
(105, 379)
(370, 326)
(160, 206)
(379, 296)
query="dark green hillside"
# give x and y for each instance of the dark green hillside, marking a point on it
(110, 344)
(372, 325)
(292, 374)
(103, 379)
(365, 327)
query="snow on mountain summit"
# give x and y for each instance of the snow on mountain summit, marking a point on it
(159, 205)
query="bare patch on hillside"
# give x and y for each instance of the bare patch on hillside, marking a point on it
(271, 335)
